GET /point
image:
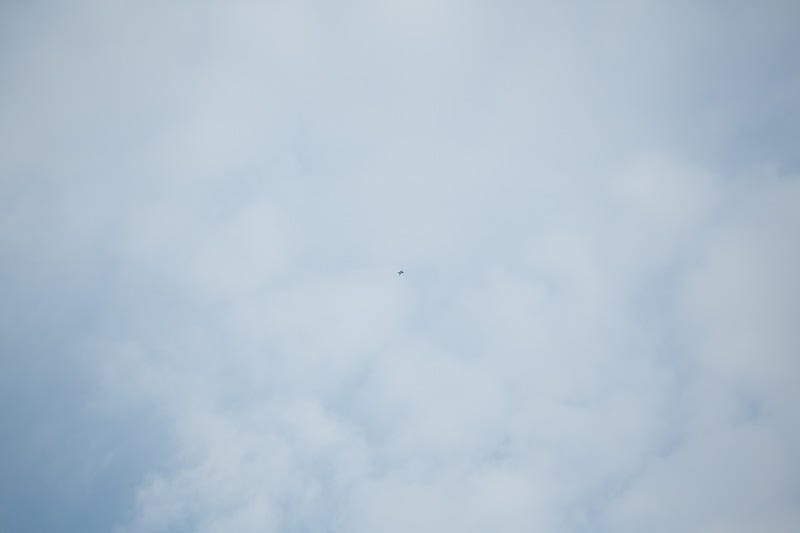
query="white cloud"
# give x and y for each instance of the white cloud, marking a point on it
(595, 331)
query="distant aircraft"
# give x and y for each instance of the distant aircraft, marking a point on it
(400, 273)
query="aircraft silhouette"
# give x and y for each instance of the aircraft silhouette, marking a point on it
(400, 273)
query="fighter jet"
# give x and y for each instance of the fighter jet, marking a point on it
(400, 272)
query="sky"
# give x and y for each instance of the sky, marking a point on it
(203, 207)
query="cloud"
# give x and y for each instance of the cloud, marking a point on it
(203, 211)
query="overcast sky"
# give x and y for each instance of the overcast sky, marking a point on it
(203, 206)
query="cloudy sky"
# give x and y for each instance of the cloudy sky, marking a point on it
(204, 204)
